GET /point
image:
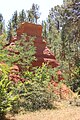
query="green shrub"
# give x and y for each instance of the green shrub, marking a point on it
(36, 92)
(7, 96)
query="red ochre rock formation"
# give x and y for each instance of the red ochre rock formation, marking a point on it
(30, 29)
(43, 54)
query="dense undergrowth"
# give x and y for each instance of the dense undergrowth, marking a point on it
(35, 93)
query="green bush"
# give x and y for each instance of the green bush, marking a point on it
(74, 83)
(7, 96)
(36, 92)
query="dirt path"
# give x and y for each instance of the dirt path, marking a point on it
(65, 112)
(72, 113)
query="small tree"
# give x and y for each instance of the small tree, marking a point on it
(22, 16)
(33, 13)
(37, 92)
(2, 24)
(22, 53)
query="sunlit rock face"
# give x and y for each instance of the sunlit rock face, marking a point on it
(43, 54)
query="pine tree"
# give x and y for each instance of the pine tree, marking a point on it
(9, 32)
(22, 16)
(15, 20)
(1, 24)
(66, 20)
(33, 13)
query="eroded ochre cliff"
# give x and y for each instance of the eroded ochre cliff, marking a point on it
(43, 54)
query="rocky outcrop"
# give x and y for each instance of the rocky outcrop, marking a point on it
(43, 54)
